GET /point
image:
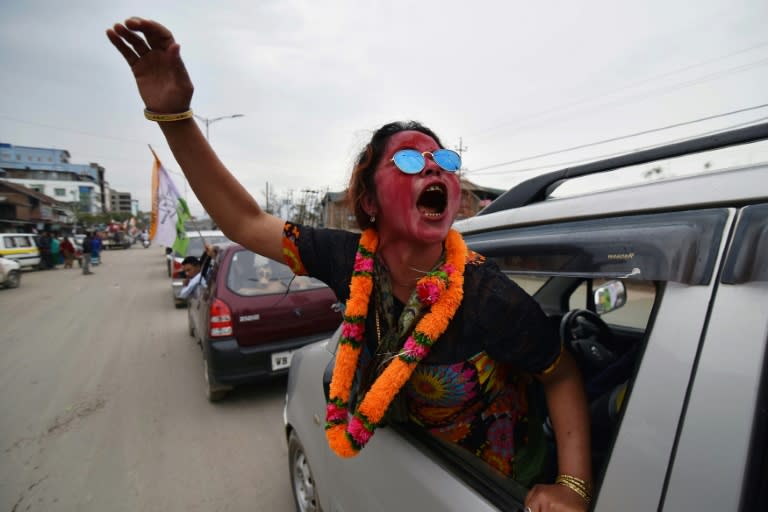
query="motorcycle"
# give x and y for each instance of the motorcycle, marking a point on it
(145, 243)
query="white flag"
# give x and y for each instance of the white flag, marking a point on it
(165, 204)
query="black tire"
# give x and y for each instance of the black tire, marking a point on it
(302, 482)
(214, 391)
(13, 280)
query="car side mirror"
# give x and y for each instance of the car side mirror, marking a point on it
(610, 296)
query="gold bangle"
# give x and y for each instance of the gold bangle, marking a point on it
(162, 118)
(549, 369)
(577, 485)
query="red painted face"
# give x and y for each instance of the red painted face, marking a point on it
(416, 207)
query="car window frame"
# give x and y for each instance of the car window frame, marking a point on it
(742, 264)
(677, 246)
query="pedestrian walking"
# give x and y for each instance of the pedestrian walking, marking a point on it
(67, 252)
(44, 244)
(87, 249)
(96, 246)
(55, 250)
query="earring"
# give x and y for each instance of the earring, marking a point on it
(373, 219)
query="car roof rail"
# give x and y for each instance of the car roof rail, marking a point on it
(536, 189)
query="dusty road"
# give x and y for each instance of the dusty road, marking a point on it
(102, 406)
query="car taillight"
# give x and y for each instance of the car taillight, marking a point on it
(221, 319)
(177, 269)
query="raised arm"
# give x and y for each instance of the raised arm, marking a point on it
(165, 88)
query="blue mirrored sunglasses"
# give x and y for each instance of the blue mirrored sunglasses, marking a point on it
(411, 161)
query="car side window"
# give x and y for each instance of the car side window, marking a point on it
(640, 296)
(530, 284)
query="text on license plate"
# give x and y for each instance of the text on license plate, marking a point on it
(281, 360)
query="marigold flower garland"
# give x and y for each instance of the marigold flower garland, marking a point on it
(442, 289)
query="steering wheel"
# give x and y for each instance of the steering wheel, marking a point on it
(588, 338)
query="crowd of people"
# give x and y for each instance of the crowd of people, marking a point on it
(62, 250)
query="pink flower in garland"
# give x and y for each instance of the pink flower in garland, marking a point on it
(335, 413)
(353, 331)
(363, 263)
(429, 290)
(414, 349)
(359, 433)
(448, 268)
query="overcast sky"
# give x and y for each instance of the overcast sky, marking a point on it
(510, 79)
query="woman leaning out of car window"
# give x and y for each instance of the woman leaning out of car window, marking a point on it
(440, 326)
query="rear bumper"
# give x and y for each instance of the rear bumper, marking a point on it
(232, 364)
(176, 286)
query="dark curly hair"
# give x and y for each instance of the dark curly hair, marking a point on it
(361, 183)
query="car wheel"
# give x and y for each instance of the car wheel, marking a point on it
(214, 391)
(13, 280)
(302, 482)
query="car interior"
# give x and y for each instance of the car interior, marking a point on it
(253, 274)
(606, 341)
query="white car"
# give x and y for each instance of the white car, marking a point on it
(10, 273)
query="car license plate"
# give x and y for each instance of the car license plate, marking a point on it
(281, 360)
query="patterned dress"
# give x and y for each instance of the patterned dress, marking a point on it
(474, 388)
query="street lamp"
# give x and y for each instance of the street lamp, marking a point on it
(209, 121)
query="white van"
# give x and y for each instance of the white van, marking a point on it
(20, 247)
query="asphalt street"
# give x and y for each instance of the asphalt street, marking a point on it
(102, 406)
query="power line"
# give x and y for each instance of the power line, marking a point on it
(521, 121)
(614, 139)
(98, 136)
(611, 155)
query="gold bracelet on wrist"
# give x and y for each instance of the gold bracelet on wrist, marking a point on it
(577, 485)
(163, 118)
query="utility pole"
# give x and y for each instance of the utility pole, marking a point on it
(209, 121)
(460, 149)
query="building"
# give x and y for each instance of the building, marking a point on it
(23, 210)
(120, 202)
(50, 172)
(474, 198)
(337, 212)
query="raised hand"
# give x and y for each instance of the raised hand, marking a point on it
(161, 77)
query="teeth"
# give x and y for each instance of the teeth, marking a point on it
(433, 188)
(429, 213)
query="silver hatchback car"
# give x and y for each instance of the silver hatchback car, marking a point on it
(660, 291)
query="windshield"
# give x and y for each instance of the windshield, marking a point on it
(196, 244)
(253, 274)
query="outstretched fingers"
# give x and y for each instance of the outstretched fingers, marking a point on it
(135, 40)
(130, 56)
(157, 35)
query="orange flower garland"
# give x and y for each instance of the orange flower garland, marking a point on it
(443, 290)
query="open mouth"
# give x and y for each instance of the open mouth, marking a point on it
(432, 201)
